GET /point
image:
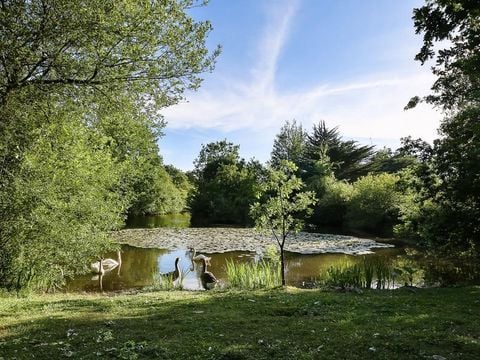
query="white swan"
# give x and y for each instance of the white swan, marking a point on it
(105, 265)
(200, 257)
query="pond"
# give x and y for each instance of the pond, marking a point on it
(309, 256)
(140, 266)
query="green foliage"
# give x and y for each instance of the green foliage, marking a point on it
(59, 207)
(144, 181)
(450, 36)
(374, 203)
(81, 87)
(386, 161)
(447, 210)
(349, 159)
(153, 50)
(333, 204)
(407, 272)
(225, 186)
(289, 144)
(282, 206)
(263, 274)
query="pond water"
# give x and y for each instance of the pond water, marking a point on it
(140, 267)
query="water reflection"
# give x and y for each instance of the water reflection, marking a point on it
(140, 267)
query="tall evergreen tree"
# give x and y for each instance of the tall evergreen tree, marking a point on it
(350, 160)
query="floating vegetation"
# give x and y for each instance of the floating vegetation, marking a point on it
(217, 240)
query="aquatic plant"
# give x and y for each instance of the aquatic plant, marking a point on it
(345, 275)
(362, 274)
(408, 271)
(261, 274)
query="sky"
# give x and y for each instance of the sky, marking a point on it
(349, 63)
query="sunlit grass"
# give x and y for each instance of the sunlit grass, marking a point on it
(257, 275)
(265, 324)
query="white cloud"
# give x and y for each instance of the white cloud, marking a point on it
(368, 107)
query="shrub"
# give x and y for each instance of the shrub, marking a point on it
(374, 204)
(332, 206)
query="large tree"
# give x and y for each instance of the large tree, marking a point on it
(152, 49)
(451, 37)
(350, 160)
(83, 84)
(449, 212)
(225, 185)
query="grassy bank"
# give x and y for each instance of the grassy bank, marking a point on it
(280, 324)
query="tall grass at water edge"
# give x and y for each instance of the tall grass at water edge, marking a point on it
(371, 271)
(259, 275)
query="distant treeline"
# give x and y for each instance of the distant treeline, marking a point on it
(357, 187)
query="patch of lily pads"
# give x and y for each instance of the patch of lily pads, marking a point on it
(220, 240)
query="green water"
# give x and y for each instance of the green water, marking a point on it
(140, 266)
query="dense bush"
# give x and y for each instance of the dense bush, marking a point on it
(225, 186)
(374, 204)
(332, 206)
(59, 207)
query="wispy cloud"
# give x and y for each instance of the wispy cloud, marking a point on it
(270, 47)
(370, 106)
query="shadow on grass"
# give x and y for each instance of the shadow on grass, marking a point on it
(242, 325)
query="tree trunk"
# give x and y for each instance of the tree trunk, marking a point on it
(282, 264)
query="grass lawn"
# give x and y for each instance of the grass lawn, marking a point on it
(274, 324)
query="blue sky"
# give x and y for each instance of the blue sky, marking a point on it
(347, 62)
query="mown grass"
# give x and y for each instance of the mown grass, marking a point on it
(268, 324)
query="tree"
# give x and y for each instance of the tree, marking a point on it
(83, 84)
(349, 159)
(386, 161)
(58, 208)
(289, 144)
(282, 206)
(373, 205)
(151, 49)
(448, 212)
(224, 185)
(451, 37)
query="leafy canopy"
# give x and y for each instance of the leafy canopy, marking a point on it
(451, 37)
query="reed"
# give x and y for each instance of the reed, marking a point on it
(260, 275)
(362, 274)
